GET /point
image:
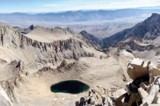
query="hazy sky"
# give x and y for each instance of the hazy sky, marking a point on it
(65, 5)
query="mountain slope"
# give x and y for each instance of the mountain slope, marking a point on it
(149, 29)
(91, 38)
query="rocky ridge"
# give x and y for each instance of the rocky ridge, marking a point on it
(146, 30)
(50, 52)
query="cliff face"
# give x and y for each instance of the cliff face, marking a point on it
(40, 52)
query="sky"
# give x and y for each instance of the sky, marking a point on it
(29, 6)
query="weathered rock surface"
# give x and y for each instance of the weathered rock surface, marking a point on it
(4, 99)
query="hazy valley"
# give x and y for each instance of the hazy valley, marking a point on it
(101, 23)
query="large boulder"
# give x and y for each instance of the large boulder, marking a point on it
(137, 68)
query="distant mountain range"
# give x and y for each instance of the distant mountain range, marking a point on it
(73, 16)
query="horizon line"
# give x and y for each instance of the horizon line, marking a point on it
(83, 10)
